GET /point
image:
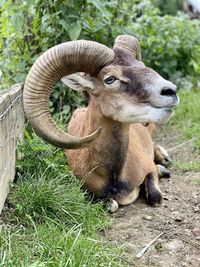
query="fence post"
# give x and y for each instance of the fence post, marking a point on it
(11, 131)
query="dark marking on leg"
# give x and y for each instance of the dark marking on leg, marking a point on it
(154, 196)
(116, 187)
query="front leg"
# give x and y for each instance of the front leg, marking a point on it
(161, 156)
(153, 192)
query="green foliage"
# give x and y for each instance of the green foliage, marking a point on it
(169, 6)
(50, 221)
(167, 48)
(170, 45)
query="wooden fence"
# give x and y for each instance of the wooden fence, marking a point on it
(11, 131)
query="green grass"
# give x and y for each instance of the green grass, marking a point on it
(186, 123)
(50, 220)
(197, 181)
(187, 117)
(187, 166)
(50, 244)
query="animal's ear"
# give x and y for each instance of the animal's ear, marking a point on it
(78, 81)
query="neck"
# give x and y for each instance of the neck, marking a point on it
(110, 148)
(110, 128)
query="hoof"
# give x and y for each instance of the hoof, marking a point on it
(162, 171)
(112, 206)
(161, 156)
(153, 193)
(155, 198)
(165, 161)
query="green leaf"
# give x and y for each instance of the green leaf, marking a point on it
(30, 2)
(64, 24)
(18, 21)
(101, 7)
(66, 108)
(74, 30)
(2, 2)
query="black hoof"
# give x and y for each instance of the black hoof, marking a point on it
(164, 172)
(155, 198)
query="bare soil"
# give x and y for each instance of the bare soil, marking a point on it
(134, 226)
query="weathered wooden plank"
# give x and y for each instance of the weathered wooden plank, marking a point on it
(11, 130)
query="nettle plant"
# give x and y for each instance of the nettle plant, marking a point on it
(168, 49)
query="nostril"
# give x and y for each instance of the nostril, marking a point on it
(168, 92)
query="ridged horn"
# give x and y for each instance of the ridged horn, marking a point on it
(128, 43)
(51, 66)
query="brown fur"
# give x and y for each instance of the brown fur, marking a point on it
(122, 155)
(121, 159)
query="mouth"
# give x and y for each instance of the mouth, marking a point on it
(165, 107)
(165, 114)
(169, 106)
(168, 109)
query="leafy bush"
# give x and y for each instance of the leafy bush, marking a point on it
(169, 6)
(170, 45)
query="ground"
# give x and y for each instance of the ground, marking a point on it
(178, 219)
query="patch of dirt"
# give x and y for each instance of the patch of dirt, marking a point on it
(134, 226)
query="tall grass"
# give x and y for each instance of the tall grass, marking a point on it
(187, 116)
(186, 123)
(50, 220)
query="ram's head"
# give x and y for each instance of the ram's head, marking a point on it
(121, 85)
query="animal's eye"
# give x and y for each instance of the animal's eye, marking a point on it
(109, 80)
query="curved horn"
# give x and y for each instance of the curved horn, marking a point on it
(59, 61)
(128, 43)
